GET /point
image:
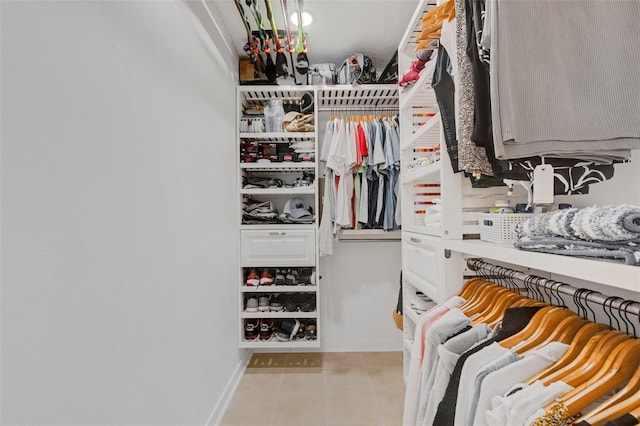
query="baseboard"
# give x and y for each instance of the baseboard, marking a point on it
(223, 402)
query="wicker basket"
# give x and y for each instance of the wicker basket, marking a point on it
(500, 227)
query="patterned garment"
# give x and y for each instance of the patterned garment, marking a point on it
(557, 415)
(471, 158)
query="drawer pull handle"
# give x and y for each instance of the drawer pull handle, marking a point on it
(416, 240)
(277, 233)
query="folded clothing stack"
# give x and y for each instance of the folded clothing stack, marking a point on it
(610, 233)
(297, 122)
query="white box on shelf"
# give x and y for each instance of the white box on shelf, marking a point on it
(500, 227)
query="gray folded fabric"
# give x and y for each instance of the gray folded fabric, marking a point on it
(551, 92)
(612, 223)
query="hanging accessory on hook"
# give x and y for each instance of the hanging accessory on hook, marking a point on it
(281, 59)
(290, 40)
(265, 41)
(251, 47)
(302, 61)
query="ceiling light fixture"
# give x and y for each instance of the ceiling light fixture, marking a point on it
(306, 19)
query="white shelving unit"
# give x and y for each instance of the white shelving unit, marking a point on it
(434, 257)
(277, 246)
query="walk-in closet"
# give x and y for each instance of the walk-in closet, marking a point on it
(320, 212)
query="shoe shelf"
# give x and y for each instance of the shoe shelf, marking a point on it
(278, 137)
(279, 289)
(285, 314)
(420, 173)
(420, 92)
(300, 190)
(269, 247)
(423, 132)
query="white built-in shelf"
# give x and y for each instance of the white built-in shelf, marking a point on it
(275, 136)
(411, 314)
(301, 190)
(435, 231)
(279, 289)
(417, 137)
(408, 344)
(611, 274)
(420, 92)
(274, 344)
(368, 235)
(279, 314)
(432, 171)
(278, 226)
(278, 167)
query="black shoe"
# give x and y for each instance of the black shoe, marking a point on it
(287, 328)
(251, 329)
(266, 329)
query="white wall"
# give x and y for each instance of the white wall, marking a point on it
(118, 239)
(360, 285)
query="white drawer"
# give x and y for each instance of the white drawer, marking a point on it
(278, 248)
(422, 260)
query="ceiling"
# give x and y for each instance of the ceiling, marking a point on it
(339, 29)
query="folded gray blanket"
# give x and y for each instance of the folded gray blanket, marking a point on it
(613, 223)
(619, 252)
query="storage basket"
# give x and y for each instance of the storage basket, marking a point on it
(500, 227)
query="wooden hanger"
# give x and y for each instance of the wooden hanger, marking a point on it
(584, 343)
(545, 320)
(629, 406)
(469, 288)
(496, 312)
(439, 12)
(617, 369)
(563, 333)
(629, 394)
(585, 367)
(485, 299)
(480, 292)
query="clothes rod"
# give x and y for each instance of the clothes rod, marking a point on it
(552, 285)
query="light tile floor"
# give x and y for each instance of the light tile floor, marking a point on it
(313, 389)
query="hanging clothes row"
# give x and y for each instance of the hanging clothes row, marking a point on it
(360, 158)
(494, 356)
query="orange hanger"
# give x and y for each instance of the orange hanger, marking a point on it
(583, 343)
(469, 288)
(628, 406)
(629, 394)
(541, 328)
(547, 315)
(496, 312)
(571, 322)
(584, 367)
(485, 299)
(617, 369)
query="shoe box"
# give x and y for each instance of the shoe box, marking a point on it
(253, 150)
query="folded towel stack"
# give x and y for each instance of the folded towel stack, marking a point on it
(610, 233)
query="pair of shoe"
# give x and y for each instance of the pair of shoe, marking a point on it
(254, 328)
(257, 304)
(264, 278)
(294, 276)
(305, 302)
(258, 328)
(287, 329)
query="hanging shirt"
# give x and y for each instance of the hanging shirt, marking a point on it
(450, 323)
(417, 354)
(517, 406)
(448, 354)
